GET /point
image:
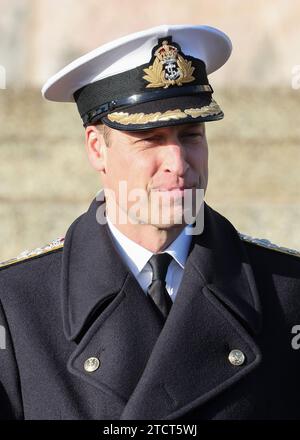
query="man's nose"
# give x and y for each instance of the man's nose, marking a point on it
(175, 158)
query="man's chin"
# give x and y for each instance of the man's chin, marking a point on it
(169, 227)
(161, 220)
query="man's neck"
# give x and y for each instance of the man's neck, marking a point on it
(150, 237)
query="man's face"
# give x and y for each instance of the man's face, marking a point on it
(157, 167)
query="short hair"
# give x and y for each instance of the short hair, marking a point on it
(105, 131)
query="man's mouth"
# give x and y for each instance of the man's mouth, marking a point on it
(174, 192)
(173, 188)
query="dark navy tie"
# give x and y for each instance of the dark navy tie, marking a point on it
(157, 291)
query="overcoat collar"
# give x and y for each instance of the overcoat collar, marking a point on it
(217, 308)
(93, 270)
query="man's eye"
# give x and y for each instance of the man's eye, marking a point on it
(151, 139)
(192, 135)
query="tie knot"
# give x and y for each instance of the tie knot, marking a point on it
(159, 264)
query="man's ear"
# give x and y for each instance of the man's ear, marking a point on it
(96, 148)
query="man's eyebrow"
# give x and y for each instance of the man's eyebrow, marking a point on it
(149, 131)
(144, 133)
(141, 134)
(189, 128)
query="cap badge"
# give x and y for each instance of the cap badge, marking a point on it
(169, 68)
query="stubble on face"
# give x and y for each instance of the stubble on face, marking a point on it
(160, 209)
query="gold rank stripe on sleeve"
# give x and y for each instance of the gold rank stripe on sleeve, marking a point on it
(269, 245)
(25, 255)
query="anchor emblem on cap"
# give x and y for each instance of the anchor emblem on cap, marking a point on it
(169, 67)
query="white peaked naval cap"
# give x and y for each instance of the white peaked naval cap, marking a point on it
(153, 78)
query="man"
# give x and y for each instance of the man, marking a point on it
(132, 316)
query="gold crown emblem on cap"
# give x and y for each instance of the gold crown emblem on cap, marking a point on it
(169, 68)
(166, 53)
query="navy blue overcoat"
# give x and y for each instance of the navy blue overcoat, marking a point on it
(79, 300)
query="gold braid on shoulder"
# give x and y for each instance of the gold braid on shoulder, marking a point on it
(269, 245)
(25, 255)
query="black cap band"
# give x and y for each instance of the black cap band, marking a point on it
(102, 110)
(97, 99)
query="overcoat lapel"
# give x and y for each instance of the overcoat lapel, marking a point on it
(154, 371)
(104, 310)
(217, 309)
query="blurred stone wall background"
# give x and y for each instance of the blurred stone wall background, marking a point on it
(46, 181)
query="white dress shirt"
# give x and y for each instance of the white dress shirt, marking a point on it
(136, 257)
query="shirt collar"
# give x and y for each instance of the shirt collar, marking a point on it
(179, 248)
(136, 256)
